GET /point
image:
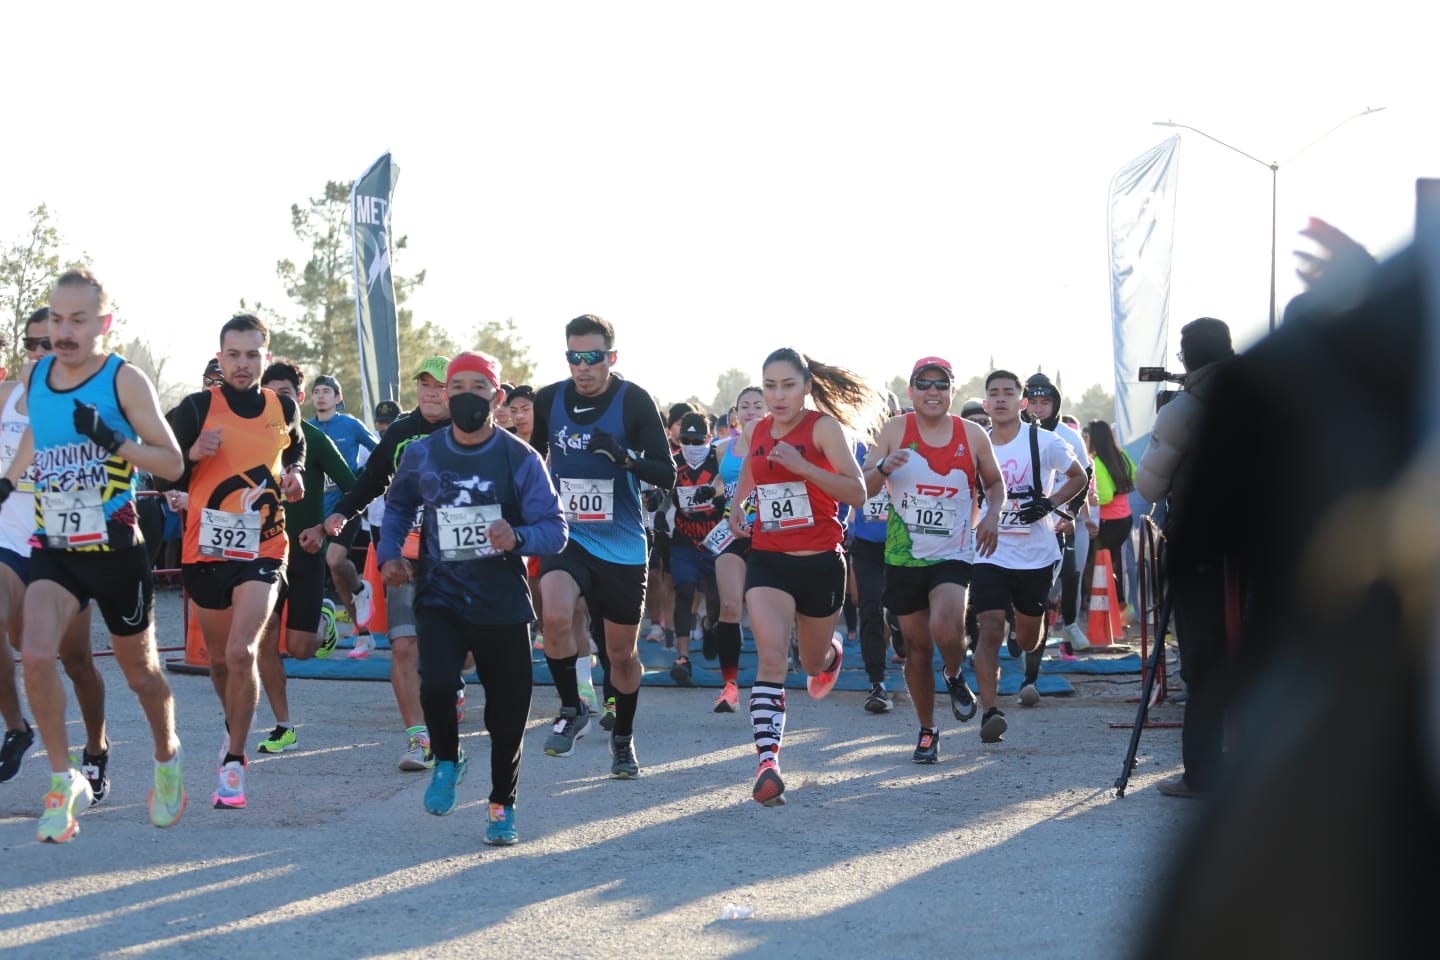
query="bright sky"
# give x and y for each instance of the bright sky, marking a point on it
(867, 182)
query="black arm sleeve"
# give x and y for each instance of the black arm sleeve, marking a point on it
(646, 433)
(186, 422)
(540, 422)
(295, 453)
(375, 478)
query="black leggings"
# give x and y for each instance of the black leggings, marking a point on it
(502, 661)
(1112, 537)
(867, 559)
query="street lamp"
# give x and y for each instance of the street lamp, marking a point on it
(1274, 168)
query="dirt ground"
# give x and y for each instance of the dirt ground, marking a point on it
(1011, 849)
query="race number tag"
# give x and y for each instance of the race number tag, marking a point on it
(685, 500)
(464, 531)
(1010, 523)
(229, 536)
(73, 519)
(878, 507)
(784, 505)
(928, 516)
(587, 501)
(719, 537)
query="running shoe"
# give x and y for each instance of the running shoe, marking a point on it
(230, 792)
(993, 726)
(92, 768)
(364, 601)
(962, 700)
(282, 738)
(417, 755)
(329, 635)
(823, 682)
(13, 751)
(1076, 636)
(668, 643)
(570, 726)
(167, 799)
(440, 795)
(682, 672)
(587, 695)
(1029, 694)
(500, 825)
(769, 789)
(460, 703)
(729, 699)
(66, 797)
(623, 765)
(537, 639)
(656, 634)
(880, 699)
(607, 719)
(927, 749)
(364, 643)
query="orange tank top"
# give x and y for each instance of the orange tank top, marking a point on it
(235, 511)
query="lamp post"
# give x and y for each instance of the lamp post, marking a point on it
(1274, 168)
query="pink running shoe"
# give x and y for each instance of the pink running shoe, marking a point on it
(823, 682)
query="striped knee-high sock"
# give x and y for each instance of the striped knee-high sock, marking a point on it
(767, 718)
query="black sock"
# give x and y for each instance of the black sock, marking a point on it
(562, 672)
(1032, 663)
(233, 758)
(625, 704)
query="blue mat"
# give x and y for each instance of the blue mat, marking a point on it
(657, 661)
(1096, 665)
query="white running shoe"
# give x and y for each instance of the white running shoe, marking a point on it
(364, 644)
(364, 605)
(1076, 635)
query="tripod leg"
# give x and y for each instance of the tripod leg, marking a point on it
(1143, 711)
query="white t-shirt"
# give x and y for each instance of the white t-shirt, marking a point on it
(1028, 546)
(17, 515)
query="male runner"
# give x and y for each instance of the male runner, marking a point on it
(604, 436)
(431, 413)
(1022, 570)
(308, 612)
(349, 435)
(17, 523)
(94, 420)
(245, 452)
(699, 499)
(930, 464)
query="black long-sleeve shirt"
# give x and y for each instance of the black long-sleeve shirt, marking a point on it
(375, 477)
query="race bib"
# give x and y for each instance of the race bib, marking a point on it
(877, 508)
(229, 536)
(685, 500)
(1010, 523)
(73, 519)
(719, 537)
(587, 501)
(464, 531)
(928, 516)
(784, 506)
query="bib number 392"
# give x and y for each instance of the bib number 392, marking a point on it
(229, 536)
(784, 506)
(75, 518)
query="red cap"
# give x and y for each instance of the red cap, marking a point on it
(924, 362)
(481, 363)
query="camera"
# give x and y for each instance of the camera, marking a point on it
(1160, 375)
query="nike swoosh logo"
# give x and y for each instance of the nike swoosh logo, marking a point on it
(266, 571)
(582, 409)
(139, 607)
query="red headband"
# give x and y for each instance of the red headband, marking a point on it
(487, 366)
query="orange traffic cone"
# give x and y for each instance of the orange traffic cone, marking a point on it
(197, 654)
(371, 576)
(1104, 622)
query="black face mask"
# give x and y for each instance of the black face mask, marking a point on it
(469, 411)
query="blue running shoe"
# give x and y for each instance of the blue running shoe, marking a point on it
(500, 825)
(440, 795)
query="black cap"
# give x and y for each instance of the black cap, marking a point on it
(386, 411)
(694, 425)
(213, 372)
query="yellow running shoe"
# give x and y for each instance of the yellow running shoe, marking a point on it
(167, 800)
(58, 823)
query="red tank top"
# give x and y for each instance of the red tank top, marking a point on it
(794, 516)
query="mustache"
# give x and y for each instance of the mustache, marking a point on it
(67, 344)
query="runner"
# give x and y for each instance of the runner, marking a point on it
(604, 436)
(94, 421)
(485, 495)
(308, 612)
(349, 436)
(699, 499)
(431, 413)
(246, 451)
(1026, 560)
(17, 522)
(930, 463)
(800, 466)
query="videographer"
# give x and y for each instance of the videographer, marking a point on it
(1196, 581)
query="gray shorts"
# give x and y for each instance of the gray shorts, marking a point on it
(400, 611)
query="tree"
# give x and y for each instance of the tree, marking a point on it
(504, 342)
(727, 387)
(1093, 404)
(28, 270)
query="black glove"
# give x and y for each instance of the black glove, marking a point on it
(90, 426)
(704, 494)
(604, 443)
(6, 488)
(1036, 510)
(652, 499)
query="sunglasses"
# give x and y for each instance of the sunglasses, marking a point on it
(925, 383)
(587, 357)
(693, 441)
(37, 343)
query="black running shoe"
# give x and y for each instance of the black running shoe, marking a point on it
(962, 701)
(927, 749)
(13, 751)
(92, 768)
(880, 700)
(993, 727)
(682, 672)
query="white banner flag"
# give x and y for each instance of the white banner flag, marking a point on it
(1142, 231)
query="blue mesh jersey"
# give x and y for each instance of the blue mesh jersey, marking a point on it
(348, 435)
(600, 499)
(66, 462)
(446, 482)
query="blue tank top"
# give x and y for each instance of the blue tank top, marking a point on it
(730, 467)
(66, 462)
(610, 530)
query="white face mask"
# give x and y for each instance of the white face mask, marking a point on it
(695, 455)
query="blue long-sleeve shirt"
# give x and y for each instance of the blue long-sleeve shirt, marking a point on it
(452, 484)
